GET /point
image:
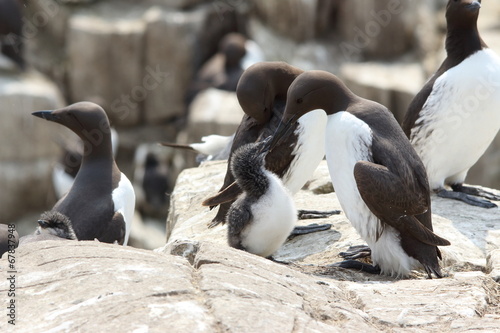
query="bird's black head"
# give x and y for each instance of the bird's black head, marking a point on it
(261, 84)
(57, 224)
(83, 118)
(462, 12)
(312, 90)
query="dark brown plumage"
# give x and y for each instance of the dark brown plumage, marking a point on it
(261, 93)
(387, 174)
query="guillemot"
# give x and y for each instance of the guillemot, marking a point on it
(223, 70)
(57, 224)
(264, 215)
(11, 31)
(212, 148)
(100, 204)
(66, 169)
(261, 93)
(9, 238)
(455, 116)
(378, 177)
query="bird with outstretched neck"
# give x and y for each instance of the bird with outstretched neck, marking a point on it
(101, 201)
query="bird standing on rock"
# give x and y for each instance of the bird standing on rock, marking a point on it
(100, 204)
(454, 118)
(264, 215)
(378, 177)
(261, 93)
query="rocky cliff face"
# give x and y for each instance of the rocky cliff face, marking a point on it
(196, 283)
(136, 58)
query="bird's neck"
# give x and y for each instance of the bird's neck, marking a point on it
(463, 41)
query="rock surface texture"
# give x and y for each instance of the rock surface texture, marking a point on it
(28, 145)
(196, 283)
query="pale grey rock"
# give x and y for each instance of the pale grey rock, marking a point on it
(75, 2)
(181, 39)
(298, 20)
(493, 264)
(378, 29)
(45, 30)
(105, 45)
(178, 4)
(308, 55)
(213, 111)
(471, 230)
(28, 144)
(393, 85)
(89, 286)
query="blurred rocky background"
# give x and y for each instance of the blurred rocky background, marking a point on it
(138, 59)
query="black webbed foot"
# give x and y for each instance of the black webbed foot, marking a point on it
(278, 261)
(468, 199)
(315, 214)
(358, 265)
(478, 192)
(356, 252)
(308, 229)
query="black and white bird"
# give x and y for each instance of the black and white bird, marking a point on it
(223, 70)
(213, 147)
(261, 93)
(11, 31)
(378, 177)
(66, 169)
(56, 224)
(9, 238)
(264, 215)
(454, 118)
(100, 204)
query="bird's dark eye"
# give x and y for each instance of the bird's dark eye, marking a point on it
(299, 100)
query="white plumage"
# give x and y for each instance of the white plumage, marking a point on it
(274, 217)
(349, 140)
(124, 202)
(459, 119)
(309, 151)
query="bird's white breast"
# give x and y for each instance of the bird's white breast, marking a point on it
(274, 217)
(348, 141)
(309, 151)
(124, 201)
(459, 119)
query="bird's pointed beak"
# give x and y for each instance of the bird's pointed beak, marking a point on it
(265, 144)
(474, 5)
(284, 129)
(43, 224)
(47, 115)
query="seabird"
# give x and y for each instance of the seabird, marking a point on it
(57, 224)
(456, 115)
(223, 70)
(9, 238)
(264, 215)
(100, 204)
(212, 148)
(261, 93)
(11, 30)
(52, 225)
(66, 169)
(151, 181)
(378, 177)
